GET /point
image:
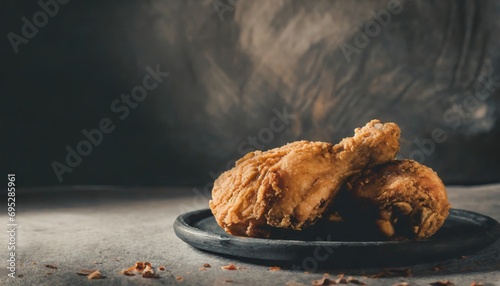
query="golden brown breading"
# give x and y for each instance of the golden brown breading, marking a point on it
(291, 186)
(404, 198)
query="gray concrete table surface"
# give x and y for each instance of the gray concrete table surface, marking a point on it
(109, 229)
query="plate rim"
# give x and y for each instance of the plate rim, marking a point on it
(185, 231)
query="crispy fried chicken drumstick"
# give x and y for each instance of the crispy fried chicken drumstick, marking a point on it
(291, 186)
(402, 198)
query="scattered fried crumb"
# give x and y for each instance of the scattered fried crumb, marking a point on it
(476, 284)
(202, 269)
(402, 284)
(50, 266)
(207, 265)
(21, 276)
(179, 278)
(85, 272)
(148, 271)
(144, 268)
(96, 262)
(392, 272)
(139, 266)
(340, 280)
(127, 272)
(150, 274)
(353, 280)
(323, 281)
(443, 283)
(229, 267)
(228, 281)
(161, 268)
(274, 268)
(117, 259)
(95, 275)
(49, 273)
(34, 263)
(437, 268)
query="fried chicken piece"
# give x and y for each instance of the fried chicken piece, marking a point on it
(290, 187)
(403, 198)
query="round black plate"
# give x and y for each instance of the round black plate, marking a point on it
(462, 233)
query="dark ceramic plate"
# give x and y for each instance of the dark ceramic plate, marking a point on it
(463, 233)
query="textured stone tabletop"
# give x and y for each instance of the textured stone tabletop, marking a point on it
(111, 228)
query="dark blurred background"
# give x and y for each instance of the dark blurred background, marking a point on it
(242, 75)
